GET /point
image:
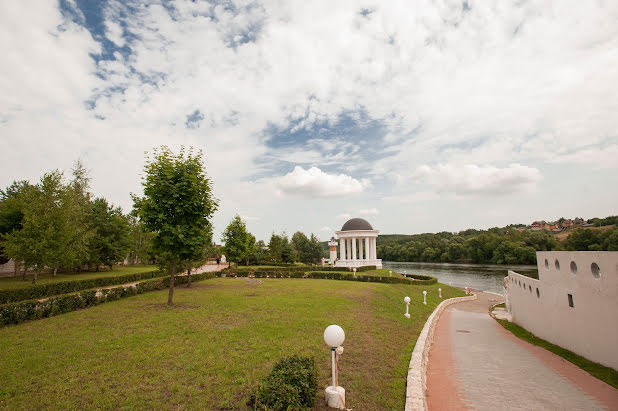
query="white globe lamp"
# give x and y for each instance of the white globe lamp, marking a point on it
(335, 395)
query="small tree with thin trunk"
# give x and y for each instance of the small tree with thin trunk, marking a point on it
(236, 240)
(177, 205)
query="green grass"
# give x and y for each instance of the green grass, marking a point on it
(214, 345)
(382, 272)
(7, 283)
(603, 373)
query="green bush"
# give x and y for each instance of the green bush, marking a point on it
(19, 312)
(65, 287)
(291, 385)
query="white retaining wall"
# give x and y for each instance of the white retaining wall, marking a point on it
(588, 328)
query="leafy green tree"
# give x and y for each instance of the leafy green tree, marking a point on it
(177, 205)
(111, 241)
(236, 240)
(77, 202)
(11, 214)
(582, 239)
(301, 245)
(43, 226)
(140, 250)
(275, 247)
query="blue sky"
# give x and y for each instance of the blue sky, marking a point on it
(422, 116)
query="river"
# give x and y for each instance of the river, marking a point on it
(484, 277)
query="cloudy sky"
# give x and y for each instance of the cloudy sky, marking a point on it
(419, 116)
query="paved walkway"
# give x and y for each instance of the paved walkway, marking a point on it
(475, 363)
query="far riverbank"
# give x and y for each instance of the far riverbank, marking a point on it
(484, 277)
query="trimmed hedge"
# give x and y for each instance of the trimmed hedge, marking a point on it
(362, 278)
(291, 385)
(16, 313)
(65, 287)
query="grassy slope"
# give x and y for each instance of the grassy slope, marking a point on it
(212, 348)
(17, 282)
(606, 374)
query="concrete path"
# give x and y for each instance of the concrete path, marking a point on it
(475, 363)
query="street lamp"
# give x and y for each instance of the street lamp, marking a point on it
(425, 297)
(440, 292)
(354, 269)
(390, 273)
(335, 395)
(407, 301)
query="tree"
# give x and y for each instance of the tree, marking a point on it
(275, 247)
(111, 242)
(11, 213)
(41, 237)
(79, 215)
(177, 205)
(140, 249)
(236, 240)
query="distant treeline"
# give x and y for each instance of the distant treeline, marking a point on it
(495, 246)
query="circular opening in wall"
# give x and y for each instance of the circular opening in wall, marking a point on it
(573, 267)
(546, 263)
(596, 271)
(557, 264)
(538, 294)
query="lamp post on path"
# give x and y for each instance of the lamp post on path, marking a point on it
(425, 297)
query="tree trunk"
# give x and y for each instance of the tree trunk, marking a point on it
(55, 271)
(34, 277)
(188, 277)
(15, 268)
(23, 277)
(172, 273)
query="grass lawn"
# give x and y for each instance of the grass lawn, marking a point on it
(603, 373)
(382, 272)
(209, 350)
(17, 282)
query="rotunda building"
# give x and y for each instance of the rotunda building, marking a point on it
(357, 244)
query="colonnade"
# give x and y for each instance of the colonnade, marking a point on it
(358, 248)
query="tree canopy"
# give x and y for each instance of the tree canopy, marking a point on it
(177, 205)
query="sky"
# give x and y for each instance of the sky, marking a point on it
(420, 116)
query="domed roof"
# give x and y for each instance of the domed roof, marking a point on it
(356, 224)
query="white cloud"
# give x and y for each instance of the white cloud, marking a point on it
(474, 179)
(313, 182)
(326, 228)
(369, 211)
(344, 216)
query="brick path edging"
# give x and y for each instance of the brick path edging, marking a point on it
(416, 382)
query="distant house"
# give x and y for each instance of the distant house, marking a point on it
(536, 226)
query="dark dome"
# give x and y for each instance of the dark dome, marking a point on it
(356, 224)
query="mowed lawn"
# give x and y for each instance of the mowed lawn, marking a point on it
(208, 351)
(17, 282)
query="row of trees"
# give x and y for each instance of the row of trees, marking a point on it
(53, 224)
(241, 246)
(495, 246)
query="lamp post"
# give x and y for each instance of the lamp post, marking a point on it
(407, 301)
(335, 395)
(425, 297)
(390, 273)
(440, 292)
(354, 269)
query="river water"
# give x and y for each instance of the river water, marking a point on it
(484, 277)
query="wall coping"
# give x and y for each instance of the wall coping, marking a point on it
(416, 382)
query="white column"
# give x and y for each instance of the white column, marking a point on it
(360, 249)
(375, 251)
(353, 248)
(367, 249)
(342, 249)
(348, 249)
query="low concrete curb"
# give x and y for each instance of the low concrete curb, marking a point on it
(416, 383)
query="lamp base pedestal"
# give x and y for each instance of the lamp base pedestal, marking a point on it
(335, 397)
(407, 315)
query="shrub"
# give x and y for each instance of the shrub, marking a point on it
(291, 385)
(19, 312)
(65, 287)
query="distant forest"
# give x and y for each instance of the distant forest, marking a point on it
(506, 245)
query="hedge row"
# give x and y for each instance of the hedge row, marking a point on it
(288, 269)
(291, 385)
(16, 313)
(362, 278)
(65, 287)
